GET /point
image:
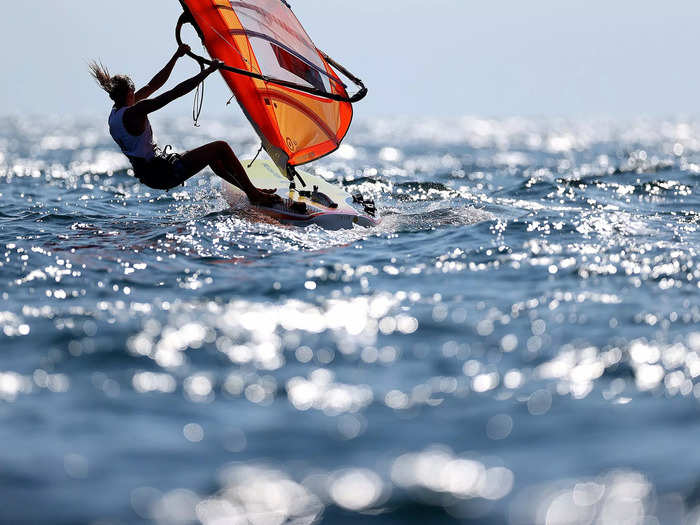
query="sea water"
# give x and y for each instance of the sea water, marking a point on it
(516, 343)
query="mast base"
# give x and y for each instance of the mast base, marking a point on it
(292, 173)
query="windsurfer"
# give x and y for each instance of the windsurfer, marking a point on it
(131, 130)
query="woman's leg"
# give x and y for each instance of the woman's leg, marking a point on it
(220, 158)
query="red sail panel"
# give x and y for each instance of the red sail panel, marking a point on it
(264, 37)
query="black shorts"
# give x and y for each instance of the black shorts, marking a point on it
(165, 171)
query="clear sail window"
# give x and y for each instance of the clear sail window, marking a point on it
(297, 67)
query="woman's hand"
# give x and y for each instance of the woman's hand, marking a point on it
(182, 50)
(215, 66)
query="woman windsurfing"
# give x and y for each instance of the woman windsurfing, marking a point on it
(131, 130)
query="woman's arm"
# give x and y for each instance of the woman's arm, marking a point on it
(162, 76)
(134, 117)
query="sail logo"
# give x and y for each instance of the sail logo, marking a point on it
(292, 144)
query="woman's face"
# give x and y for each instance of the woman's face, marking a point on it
(130, 98)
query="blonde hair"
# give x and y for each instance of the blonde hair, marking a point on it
(117, 86)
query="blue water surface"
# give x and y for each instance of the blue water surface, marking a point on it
(516, 343)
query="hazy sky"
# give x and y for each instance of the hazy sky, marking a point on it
(443, 57)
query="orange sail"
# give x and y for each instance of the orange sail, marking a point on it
(286, 87)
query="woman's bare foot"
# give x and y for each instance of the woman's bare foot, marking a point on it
(263, 198)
